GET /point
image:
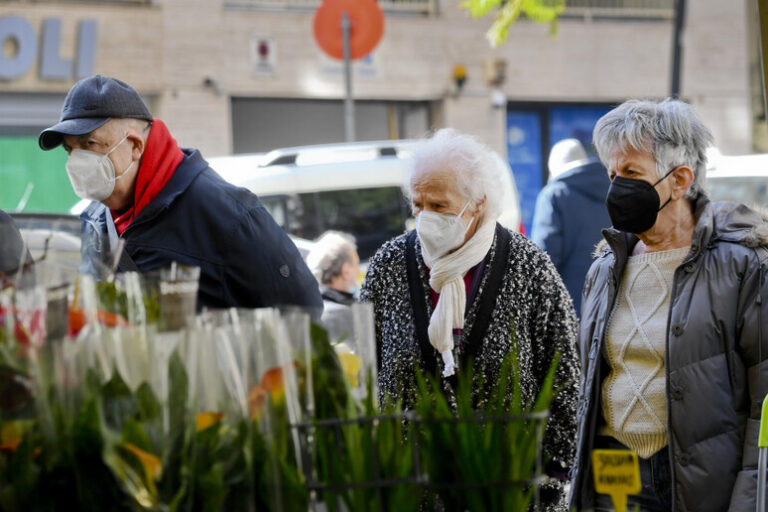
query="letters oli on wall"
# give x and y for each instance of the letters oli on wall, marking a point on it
(19, 47)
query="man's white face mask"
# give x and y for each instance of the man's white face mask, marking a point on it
(92, 174)
(440, 233)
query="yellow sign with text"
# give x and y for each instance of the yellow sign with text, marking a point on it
(617, 473)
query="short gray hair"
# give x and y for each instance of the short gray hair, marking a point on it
(670, 130)
(477, 169)
(122, 123)
(331, 251)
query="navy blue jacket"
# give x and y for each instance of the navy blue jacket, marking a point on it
(245, 258)
(570, 214)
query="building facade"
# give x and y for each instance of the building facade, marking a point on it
(237, 76)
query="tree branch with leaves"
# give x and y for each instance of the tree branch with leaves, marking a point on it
(508, 12)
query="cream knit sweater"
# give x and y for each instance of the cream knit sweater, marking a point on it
(634, 392)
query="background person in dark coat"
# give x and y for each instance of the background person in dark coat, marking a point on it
(168, 205)
(570, 213)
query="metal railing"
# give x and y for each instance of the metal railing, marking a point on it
(117, 2)
(621, 8)
(391, 6)
(330, 433)
(585, 8)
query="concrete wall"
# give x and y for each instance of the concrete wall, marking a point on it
(716, 71)
(167, 49)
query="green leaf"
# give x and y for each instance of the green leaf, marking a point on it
(86, 431)
(330, 386)
(118, 402)
(178, 389)
(211, 488)
(149, 405)
(127, 469)
(25, 475)
(480, 8)
(134, 433)
(9, 363)
(546, 393)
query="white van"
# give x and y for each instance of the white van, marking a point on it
(352, 187)
(742, 178)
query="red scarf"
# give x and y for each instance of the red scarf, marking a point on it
(161, 158)
(467, 285)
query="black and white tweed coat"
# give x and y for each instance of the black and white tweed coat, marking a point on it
(532, 300)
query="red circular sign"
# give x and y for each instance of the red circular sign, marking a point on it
(365, 32)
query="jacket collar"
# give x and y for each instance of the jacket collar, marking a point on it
(192, 165)
(702, 233)
(337, 296)
(621, 243)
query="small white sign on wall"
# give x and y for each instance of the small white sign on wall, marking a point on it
(367, 67)
(263, 55)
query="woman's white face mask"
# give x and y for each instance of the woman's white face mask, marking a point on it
(440, 233)
(92, 174)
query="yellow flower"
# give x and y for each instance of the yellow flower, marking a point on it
(12, 433)
(351, 364)
(151, 464)
(205, 420)
(257, 397)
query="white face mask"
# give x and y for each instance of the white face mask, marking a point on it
(440, 233)
(92, 174)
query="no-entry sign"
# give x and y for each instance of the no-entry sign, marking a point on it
(367, 22)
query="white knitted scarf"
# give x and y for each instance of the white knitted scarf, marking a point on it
(447, 278)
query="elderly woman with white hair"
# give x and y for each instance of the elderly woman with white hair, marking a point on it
(461, 287)
(671, 337)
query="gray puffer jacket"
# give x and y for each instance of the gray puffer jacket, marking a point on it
(716, 370)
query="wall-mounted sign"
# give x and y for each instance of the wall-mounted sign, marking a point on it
(366, 21)
(19, 48)
(263, 55)
(367, 67)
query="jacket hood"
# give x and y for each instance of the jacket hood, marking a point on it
(590, 180)
(730, 222)
(734, 222)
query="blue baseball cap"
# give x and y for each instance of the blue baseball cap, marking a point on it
(89, 104)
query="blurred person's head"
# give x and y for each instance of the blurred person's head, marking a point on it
(566, 154)
(103, 127)
(453, 175)
(334, 262)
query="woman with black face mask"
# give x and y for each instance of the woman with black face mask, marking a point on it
(673, 321)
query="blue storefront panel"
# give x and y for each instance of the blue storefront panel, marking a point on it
(532, 130)
(574, 122)
(525, 158)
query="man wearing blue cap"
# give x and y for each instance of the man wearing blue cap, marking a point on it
(167, 204)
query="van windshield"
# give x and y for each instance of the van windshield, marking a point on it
(372, 215)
